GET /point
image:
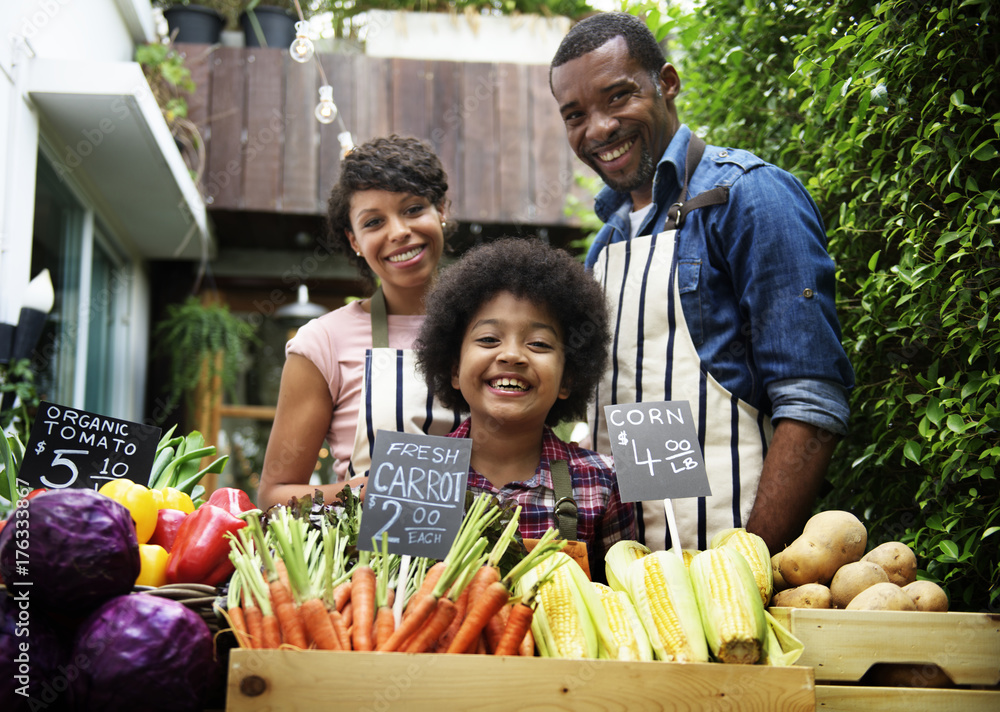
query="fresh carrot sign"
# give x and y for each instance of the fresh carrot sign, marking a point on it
(656, 450)
(415, 493)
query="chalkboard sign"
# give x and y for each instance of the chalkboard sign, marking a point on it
(656, 451)
(74, 448)
(415, 492)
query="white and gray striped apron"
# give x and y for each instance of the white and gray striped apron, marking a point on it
(655, 359)
(393, 395)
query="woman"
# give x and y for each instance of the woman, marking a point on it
(350, 373)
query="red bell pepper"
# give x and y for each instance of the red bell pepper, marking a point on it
(233, 500)
(201, 549)
(168, 523)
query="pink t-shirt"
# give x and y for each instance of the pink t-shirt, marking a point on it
(336, 343)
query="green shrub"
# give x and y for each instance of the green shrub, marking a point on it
(890, 114)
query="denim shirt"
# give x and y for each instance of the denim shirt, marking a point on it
(756, 282)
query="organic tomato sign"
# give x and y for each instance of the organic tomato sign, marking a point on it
(656, 450)
(415, 493)
(74, 448)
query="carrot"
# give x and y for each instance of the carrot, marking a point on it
(422, 609)
(342, 595)
(422, 640)
(518, 625)
(293, 631)
(270, 632)
(363, 602)
(495, 627)
(431, 579)
(341, 629)
(385, 624)
(317, 622)
(348, 615)
(253, 618)
(493, 598)
(238, 622)
(527, 646)
(461, 606)
(479, 647)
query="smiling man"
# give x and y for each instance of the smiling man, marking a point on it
(715, 268)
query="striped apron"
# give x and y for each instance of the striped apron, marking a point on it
(655, 359)
(393, 395)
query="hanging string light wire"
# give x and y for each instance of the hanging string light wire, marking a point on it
(302, 50)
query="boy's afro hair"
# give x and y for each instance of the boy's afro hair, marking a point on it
(531, 270)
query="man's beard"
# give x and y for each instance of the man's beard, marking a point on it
(643, 174)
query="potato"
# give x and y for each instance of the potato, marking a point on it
(779, 583)
(906, 675)
(927, 596)
(808, 595)
(897, 559)
(853, 578)
(885, 596)
(828, 541)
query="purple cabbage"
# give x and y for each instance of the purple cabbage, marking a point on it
(80, 550)
(143, 653)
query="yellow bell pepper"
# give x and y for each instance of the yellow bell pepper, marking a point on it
(153, 565)
(173, 498)
(138, 500)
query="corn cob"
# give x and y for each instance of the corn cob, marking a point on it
(569, 620)
(755, 551)
(664, 599)
(687, 555)
(731, 609)
(633, 644)
(617, 560)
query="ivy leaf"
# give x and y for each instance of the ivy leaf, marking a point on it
(912, 450)
(955, 423)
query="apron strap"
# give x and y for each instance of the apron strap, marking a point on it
(716, 196)
(380, 322)
(565, 508)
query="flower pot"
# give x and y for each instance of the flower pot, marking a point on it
(277, 26)
(194, 23)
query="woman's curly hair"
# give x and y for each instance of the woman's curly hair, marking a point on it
(531, 270)
(398, 164)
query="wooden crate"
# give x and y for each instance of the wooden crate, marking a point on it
(289, 681)
(841, 646)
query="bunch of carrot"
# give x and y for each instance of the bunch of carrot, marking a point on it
(293, 586)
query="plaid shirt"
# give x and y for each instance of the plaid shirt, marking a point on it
(602, 518)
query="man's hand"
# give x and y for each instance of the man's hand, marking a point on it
(794, 469)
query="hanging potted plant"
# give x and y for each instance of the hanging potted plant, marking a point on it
(270, 23)
(205, 345)
(197, 23)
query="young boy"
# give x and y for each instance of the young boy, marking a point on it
(516, 334)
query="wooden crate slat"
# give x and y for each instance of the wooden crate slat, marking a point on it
(262, 158)
(851, 698)
(479, 136)
(515, 203)
(300, 160)
(842, 645)
(224, 175)
(300, 680)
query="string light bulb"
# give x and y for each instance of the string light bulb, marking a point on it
(346, 143)
(326, 110)
(302, 49)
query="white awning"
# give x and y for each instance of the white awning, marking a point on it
(108, 132)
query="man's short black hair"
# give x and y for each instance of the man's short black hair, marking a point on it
(531, 270)
(596, 30)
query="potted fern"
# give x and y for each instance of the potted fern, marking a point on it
(205, 345)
